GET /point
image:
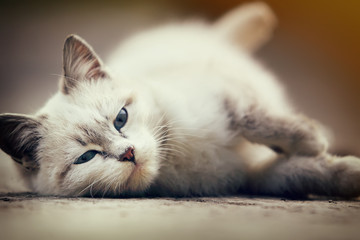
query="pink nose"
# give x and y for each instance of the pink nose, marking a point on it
(128, 155)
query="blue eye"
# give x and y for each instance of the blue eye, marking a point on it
(121, 119)
(86, 157)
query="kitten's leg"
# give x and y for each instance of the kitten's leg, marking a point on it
(299, 176)
(288, 134)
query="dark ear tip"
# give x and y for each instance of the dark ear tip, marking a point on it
(10, 116)
(72, 38)
(18, 134)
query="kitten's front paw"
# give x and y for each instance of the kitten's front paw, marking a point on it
(309, 140)
(310, 146)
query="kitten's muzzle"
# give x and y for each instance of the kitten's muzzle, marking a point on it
(128, 155)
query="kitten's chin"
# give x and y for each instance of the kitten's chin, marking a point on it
(140, 178)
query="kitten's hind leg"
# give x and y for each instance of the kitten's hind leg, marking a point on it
(299, 176)
(288, 134)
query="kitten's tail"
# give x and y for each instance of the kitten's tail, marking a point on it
(298, 176)
(249, 25)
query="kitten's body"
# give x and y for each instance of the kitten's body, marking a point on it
(195, 100)
(193, 80)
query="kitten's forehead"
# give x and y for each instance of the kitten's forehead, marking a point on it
(101, 94)
(86, 116)
(90, 98)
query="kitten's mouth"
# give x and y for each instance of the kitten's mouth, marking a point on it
(135, 173)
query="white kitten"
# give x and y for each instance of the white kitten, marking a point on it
(176, 118)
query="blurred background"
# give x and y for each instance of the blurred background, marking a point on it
(315, 50)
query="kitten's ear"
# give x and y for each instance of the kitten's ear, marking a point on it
(250, 25)
(19, 137)
(80, 63)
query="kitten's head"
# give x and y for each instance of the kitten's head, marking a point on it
(96, 136)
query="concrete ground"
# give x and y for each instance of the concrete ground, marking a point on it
(27, 216)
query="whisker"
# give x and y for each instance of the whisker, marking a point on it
(95, 181)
